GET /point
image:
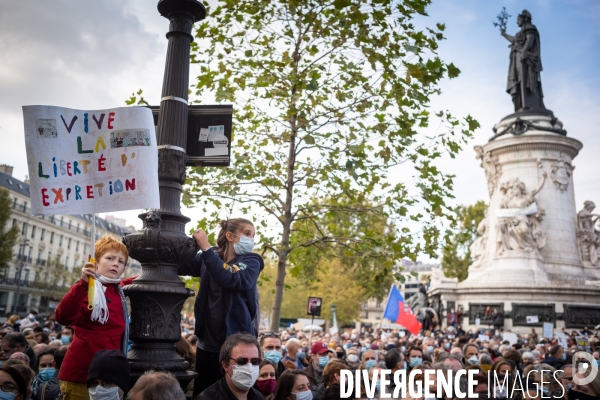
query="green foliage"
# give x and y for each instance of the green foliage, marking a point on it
(8, 236)
(137, 99)
(332, 281)
(54, 278)
(329, 100)
(457, 255)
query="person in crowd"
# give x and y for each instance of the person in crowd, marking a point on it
(352, 358)
(498, 318)
(55, 344)
(340, 353)
(453, 316)
(270, 344)
(415, 357)
(30, 321)
(45, 370)
(13, 383)
(66, 335)
(50, 390)
(20, 356)
(109, 375)
(294, 353)
(318, 360)
(556, 357)
(105, 327)
(471, 354)
(528, 359)
(485, 362)
(514, 356)
(267, 379)
(41, 337)
(369, 358)
(17, 343)
(40, 348)
(11, 322)
(240, 361)
(227, 302)
(156, 385)
(188, 353)
(293, 384)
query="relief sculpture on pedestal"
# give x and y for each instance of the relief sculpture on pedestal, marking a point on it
(491, 166)
(518, 227)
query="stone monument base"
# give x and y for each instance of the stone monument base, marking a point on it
(570, 306)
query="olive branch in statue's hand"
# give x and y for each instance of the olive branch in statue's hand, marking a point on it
(502, 18)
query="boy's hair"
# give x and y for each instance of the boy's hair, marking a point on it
(106, 243)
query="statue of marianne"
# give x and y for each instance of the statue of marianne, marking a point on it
(524, 81)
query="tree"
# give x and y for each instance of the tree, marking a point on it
(8, 236)
(55, 278)
(456, 256)
(332, 281)
(330, 97)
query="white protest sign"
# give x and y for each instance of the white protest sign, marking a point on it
(532, 319)
(511, 337)
(85, 162)
(562, 339)
(483, 338)
(477, 321)
(548, 330)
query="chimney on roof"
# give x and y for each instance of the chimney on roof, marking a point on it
(7, 169)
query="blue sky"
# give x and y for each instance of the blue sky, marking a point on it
(93, 55)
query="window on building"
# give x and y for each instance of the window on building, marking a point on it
(69, 224)
(3, 298)
(51, 237)
(77, 245)
(30, 254)
(24, 206)
(39, 257)
(365, 304)
(67, 262)
(43, 234)
(24, 229)
(15, 203)
(49, 257)
(33, 231)
(77, 228)
(26, 276)
(85, 249)
(378, 305)
(60, 240)
(14, 222)
(62, 219)
(69, 244)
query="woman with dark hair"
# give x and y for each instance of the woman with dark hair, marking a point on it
(13, 383)
(293, 385)
(267, 379)
(227, 302)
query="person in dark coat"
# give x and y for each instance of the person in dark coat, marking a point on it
(228, 297)
(51, 389)
(240, 361)
(556, 357)
(498, 319)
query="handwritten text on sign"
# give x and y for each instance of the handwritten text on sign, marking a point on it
(84, 162)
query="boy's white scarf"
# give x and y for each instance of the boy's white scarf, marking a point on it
(100, 310)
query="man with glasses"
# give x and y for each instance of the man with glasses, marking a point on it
(240, 360)
(16, 342)
(270, 344)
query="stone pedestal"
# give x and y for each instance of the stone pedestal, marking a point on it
(527, 254)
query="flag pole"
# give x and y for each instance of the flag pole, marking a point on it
(91, 281)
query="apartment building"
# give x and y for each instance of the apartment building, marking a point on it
(49, 253)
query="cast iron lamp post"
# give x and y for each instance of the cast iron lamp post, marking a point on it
(157, 295)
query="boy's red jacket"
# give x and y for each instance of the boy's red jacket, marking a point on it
(90, 336)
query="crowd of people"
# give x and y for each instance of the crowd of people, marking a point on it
(80, 352)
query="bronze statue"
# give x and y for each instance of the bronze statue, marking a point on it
(524, 80)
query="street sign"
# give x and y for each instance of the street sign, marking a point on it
(208, 134)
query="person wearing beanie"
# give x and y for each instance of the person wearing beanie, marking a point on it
(105, 326)
(109, 376)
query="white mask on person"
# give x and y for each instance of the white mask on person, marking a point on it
(244, 376)
(102, 393)
(244, 246)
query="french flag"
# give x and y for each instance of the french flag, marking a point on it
(399, 312)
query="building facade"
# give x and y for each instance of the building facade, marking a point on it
(372, 310)
(49, 253)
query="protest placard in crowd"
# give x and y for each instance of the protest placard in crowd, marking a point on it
(85, 162)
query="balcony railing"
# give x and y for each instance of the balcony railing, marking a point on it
(13, 281)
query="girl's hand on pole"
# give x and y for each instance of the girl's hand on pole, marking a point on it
(201, 239)
(88, 271)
